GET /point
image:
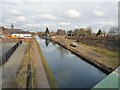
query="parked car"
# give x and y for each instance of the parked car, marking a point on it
(73, 44)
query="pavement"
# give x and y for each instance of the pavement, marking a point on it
(40, 75)
(10, 68)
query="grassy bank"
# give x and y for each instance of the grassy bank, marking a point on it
(111, 56)
(102, 51)
(33, 84)
(103, 59)
(50, 77)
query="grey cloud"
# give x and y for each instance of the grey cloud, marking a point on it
(52, 13)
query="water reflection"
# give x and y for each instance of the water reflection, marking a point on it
(69, 70)
(63, 52)
(47, 41)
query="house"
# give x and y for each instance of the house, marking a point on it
(8, 32)
(70, 33)
(1, 30)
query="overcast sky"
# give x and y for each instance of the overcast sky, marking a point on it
(36, 16)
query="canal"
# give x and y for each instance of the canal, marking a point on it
(69, 70)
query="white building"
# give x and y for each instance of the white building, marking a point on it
(22, 35)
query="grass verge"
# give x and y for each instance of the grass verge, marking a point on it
(32, 70)
(21, 75)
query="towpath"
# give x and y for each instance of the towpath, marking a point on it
(40, 75)
(10, 68)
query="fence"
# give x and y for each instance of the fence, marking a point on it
(7, 55)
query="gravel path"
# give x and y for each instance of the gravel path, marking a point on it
(40, 75)
(11, 67)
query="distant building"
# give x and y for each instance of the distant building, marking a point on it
(8, 32)
(70, 33)
(4, 31)
(1, 30)
(61, 32)
(22, 34)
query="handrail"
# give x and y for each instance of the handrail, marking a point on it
(7, 55)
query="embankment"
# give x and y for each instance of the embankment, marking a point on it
(98, 61)
(48, 72)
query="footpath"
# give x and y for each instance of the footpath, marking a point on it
(10, 68)
(40, 75)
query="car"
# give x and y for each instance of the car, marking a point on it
(73, 44)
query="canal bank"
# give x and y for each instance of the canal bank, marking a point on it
(103, 63)
(69, 70)
(47, 71)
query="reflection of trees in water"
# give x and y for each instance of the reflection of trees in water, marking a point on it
(47, 42)
(63, 52)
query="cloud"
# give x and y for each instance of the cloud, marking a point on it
(111, 23)
(32, 25)
(20, 18)
(60, 14)
(75, 26)
(9, 21)
(64, 23)
(15, 12)
(45, 16)
(47, 24)
(99, 13)
(73, 13)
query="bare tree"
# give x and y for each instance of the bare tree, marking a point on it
(113, 31)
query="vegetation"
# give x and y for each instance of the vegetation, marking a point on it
(109, 58)
(102, 51)
(47, 31)
(21, 76)
(82, 32)
(50, 77)
(99, 32)
(113, 31)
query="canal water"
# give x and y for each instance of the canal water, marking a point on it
(69, 70)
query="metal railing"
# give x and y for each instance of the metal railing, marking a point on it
(7, 55)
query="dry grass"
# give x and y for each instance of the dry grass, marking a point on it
(102, 51)
(21, 76)
(109, 58)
